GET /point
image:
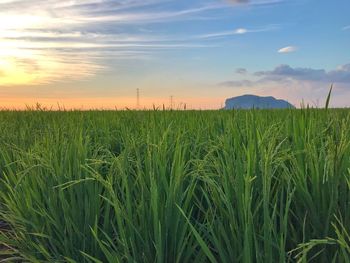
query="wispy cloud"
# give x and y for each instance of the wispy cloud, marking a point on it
(285, 73)
(241, 71)
(288, 49)
(238, 1)
(238, 31)
(346, 27)
(254, 2)
(41, 40)
(338, 75)
(237, 83)
(75, 13)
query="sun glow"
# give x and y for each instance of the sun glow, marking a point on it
(13, 75)
(15, 64)
(21, 21)
(27, 60)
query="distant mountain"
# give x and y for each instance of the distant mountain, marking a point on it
(257, 102)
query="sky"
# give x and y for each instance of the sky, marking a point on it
(95, 54)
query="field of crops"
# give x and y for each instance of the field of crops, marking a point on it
(172, 186)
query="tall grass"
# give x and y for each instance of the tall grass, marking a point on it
(158, 186)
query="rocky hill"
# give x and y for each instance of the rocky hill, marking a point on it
(257, 102)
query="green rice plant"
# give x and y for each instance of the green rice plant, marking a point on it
(175, 186)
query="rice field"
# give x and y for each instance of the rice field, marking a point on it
(175, 186)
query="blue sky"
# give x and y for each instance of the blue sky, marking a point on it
(96, 53)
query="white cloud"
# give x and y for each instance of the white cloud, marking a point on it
(241, 31)
(288, 49)
(238, 31)
(255, 2)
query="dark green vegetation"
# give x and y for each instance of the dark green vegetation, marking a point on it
(234, 186)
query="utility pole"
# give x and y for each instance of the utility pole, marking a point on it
(171, 101)
(138, 99)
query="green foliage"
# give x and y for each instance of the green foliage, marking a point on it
(158, 186)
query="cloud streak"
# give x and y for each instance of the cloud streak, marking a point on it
(238, 31)
(40, 41)
(286, 74)
(283, 72)
(241, 71)
(255, 2)
(50, 35)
